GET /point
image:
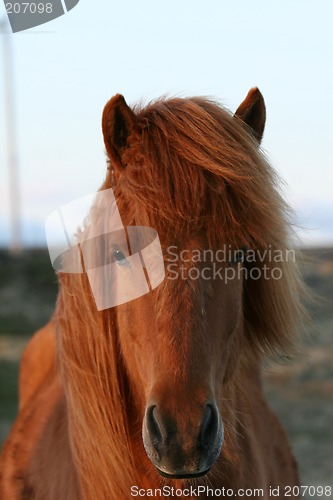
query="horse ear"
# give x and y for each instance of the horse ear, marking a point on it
(252, 111)
(118, 124)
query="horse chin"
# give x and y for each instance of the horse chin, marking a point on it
(186, 475)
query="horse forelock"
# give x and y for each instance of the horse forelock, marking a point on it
(192, 166)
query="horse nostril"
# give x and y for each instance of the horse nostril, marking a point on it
(153, 428)
(177, 445)
(209, 426)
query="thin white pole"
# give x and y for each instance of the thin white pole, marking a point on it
(12, 155)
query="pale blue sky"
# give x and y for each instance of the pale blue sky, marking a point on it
(67, 69)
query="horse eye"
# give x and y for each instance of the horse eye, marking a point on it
(120, 257)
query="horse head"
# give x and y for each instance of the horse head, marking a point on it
(180, 341)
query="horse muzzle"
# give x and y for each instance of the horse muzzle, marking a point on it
(182, 449)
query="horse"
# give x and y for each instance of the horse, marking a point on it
(163, 393)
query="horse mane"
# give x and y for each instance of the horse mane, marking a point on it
(191, 167)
